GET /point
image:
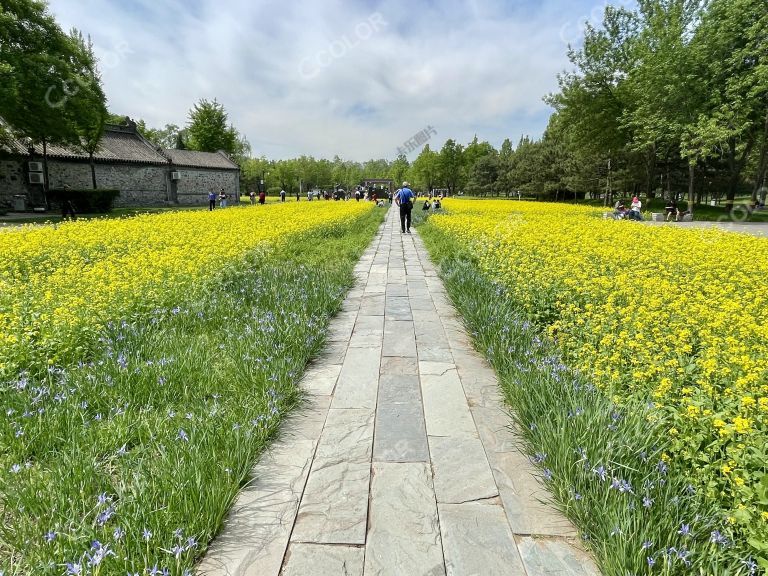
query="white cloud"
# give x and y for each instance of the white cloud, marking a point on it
(327, 78)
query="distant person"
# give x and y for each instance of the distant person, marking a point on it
(222, 199)
(262, 197)
(253, 197)
(404, 199)
(309, 195)
(436, 204)
(619, 210)
(672, 210)
(211, 200)
(426, 205)
(357, 195)
(67, 208)
(282, 195)
(635, 209)
(297, 196)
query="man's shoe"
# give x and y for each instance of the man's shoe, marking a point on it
(409, 231)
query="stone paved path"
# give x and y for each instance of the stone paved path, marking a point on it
(403, 464)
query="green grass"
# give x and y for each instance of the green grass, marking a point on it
(132, 459)
(602, 462)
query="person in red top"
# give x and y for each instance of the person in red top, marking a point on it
(262, 197)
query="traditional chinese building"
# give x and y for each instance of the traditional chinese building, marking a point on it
(125, 161)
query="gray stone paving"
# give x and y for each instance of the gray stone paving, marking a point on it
(403, 463)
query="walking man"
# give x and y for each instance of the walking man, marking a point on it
(404, 198)
(211, 200)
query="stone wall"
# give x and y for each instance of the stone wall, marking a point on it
(139, 184)
(12, 182)
(195, 184)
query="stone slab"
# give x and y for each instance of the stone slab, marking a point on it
(372, 305)
(396, 289)
(555, 557)
(525, 499)
(398, 365)
(368, 332)
(429, 353)
(399, 389)
(258, 527)
(332, 353)
(321, 378)
(404, 534)
(477, 540)
(423, 303)
(436, 368)
(341, 331)
(334, 507)
(399, 338)
(400, 434)
(323, 560)
(359, 379)
(347, 436)
(398, 308)
(400, 431)
(461, 469)
(445, 406)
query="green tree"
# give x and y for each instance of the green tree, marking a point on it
(475, 151)
(46, 77)
(484, 175)
(424, 170)
(733, 54)
(90, 105)
(398, 170)
(452, 165)
(209, 130)
(252, 171)
(594, 98)
(664, 84)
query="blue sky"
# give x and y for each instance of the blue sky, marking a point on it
(353, 78)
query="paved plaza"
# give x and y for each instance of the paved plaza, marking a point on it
(402, 463)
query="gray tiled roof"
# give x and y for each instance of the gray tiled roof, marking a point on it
(116, 146)
(192, 159)
(124, 144)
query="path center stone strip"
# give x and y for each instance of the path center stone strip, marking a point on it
(403, 462)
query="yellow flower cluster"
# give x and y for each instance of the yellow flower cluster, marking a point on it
(58, 285)
(674, 316)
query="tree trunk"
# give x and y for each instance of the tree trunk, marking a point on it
(691, 181)
(93, 170)
(762, 167)
(45, 174)
(650, 172)
(733, 176)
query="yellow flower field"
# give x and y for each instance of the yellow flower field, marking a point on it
(672, 316)
(59, 285)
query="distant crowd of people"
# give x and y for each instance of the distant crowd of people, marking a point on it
(379, 196)
(634, 212)
(620, 211)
